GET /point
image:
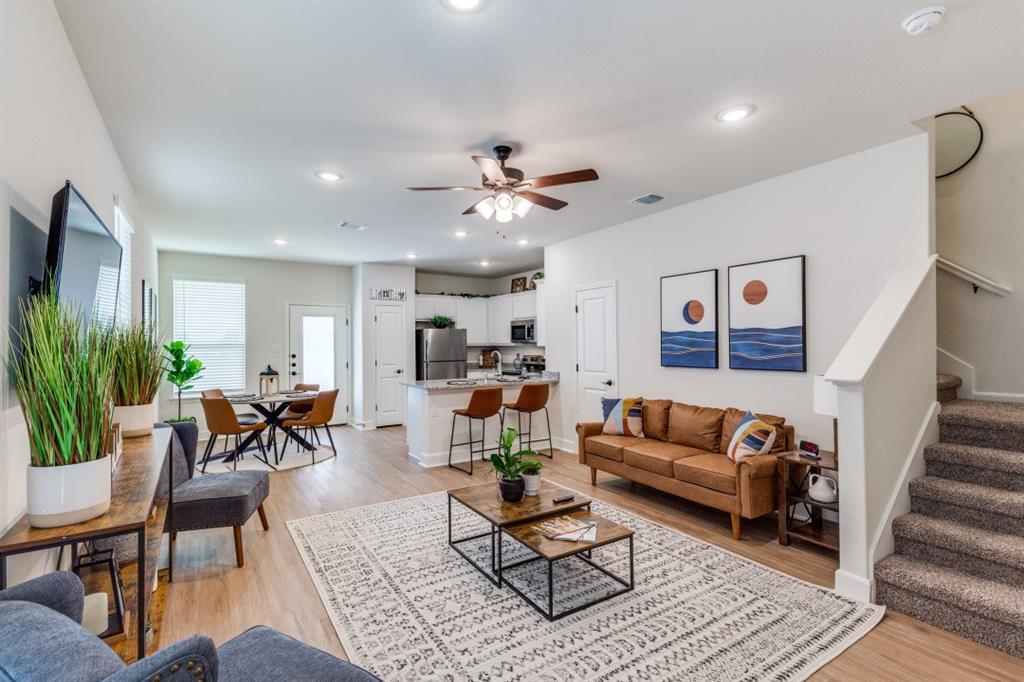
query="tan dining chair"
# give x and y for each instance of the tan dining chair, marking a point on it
(221, 420)
(320, 415)
(245, 418)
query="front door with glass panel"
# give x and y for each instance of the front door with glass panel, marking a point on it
(318, 351)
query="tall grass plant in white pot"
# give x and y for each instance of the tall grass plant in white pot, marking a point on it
(138, 370)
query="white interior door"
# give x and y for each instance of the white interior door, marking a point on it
(318, 351)
(596, 355)
(389, 343)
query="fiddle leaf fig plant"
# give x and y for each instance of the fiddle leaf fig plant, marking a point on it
(182, 368)
(510, 465)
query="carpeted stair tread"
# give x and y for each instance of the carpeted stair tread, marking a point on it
(1009, 461)
(989, 545)
(948, 382)
(983, 413)
(969, 496)
(989, 598)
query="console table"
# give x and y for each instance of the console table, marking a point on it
(136, 508)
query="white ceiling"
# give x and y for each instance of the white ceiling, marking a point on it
(222, 111)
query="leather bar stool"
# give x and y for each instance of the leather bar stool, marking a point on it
(483, 404)
(532, 398)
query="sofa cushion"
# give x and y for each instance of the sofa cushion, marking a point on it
(622, 417)
(260, 653)
(710, 470)
(655, 418)
(656, 456)
(609, 447)
(697, 427)
(734, 417)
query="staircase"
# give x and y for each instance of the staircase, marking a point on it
(959, 559)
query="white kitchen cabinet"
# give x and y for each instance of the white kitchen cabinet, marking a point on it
(424, 307)
(524, 306)
(446, 305)
(540, 328)
(471, 314)
(499, 320)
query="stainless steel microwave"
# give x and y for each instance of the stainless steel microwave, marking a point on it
(524, 331)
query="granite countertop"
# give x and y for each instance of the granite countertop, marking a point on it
(442, 384)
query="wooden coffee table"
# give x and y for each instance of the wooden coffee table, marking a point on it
(485, 500)
(517, 519)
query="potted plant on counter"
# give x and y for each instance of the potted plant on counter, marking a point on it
(442, 322)
(531, 477)
(138, 369)
(63, 376)
(509, 467)
(182, 369)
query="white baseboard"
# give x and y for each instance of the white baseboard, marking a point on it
(365, 426)
(572, 446)
(999, 397)
(854, 586)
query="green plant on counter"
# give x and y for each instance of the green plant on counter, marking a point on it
(138, 365)
(63, 376)
(511, 465)
(182, 369)
(442, 321)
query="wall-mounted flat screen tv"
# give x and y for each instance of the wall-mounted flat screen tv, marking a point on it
(82, 256)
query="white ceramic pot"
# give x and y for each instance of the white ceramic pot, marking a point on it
(135, 420)
(532, 484)
(59, 496)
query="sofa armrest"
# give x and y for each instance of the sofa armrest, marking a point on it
(756, 485)
(585, 430)
(61, 591)
(185, 661)
(757, 466)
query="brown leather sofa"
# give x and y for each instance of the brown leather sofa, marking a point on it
(683, 453)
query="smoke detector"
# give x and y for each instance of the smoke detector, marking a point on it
(647, 199)
(923, 21)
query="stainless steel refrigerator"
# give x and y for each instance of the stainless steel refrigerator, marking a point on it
(440, 354)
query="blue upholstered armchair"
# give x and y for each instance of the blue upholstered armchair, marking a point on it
(41, 639)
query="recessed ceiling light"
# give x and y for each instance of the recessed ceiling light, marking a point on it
(461, 234)
(464, 5)
(485, 263)
(411, 256)
(329, 176)
(280, 242)
(733, 114)
(523, 242)
(922, 21)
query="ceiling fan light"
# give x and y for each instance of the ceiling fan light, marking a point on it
(503, 201)
(503, 216)
(485, 207)
(521, 206)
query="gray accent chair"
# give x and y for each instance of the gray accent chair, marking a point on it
(221, 500)
(41, 640)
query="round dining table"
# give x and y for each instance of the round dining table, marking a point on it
(271, 406)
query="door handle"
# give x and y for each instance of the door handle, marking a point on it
(606, 383)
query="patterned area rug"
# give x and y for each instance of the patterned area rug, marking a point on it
(407, 607)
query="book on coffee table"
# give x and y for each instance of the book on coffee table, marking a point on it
(567, 528)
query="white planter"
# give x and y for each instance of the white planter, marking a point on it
(135, 420)
(532, 484)
(59, 496)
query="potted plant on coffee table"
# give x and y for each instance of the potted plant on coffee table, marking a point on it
(138, 369)
(62, 372)
(509, 467)
(182, 368)
(531, 477)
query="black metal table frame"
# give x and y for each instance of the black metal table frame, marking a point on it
(497, 569)
(273, 417)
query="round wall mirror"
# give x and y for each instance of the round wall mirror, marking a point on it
(958, 137)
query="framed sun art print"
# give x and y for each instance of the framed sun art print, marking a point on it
(689, 320)
(767, 329)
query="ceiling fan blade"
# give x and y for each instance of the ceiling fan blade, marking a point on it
(472, 209)
(491, 169)
(568, 178)
(457, 188)
(543, 200)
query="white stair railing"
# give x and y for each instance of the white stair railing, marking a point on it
(975, 280)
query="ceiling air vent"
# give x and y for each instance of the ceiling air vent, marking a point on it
(353, 227)
(647, 199)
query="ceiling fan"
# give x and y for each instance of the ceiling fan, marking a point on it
(511, 194)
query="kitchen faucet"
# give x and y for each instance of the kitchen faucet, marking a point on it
(497, 357)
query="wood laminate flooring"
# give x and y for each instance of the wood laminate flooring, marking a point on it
(210, 595)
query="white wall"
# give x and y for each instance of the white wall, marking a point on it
(270, 287)
(50, 131)
(856, 218)
(980, 225)
(366, 276)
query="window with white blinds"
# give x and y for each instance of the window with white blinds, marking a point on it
(123, 232)
(210, 316)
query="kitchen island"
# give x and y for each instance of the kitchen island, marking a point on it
(429, 416)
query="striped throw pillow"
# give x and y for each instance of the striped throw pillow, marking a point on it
(752, 437)
(623, 416)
